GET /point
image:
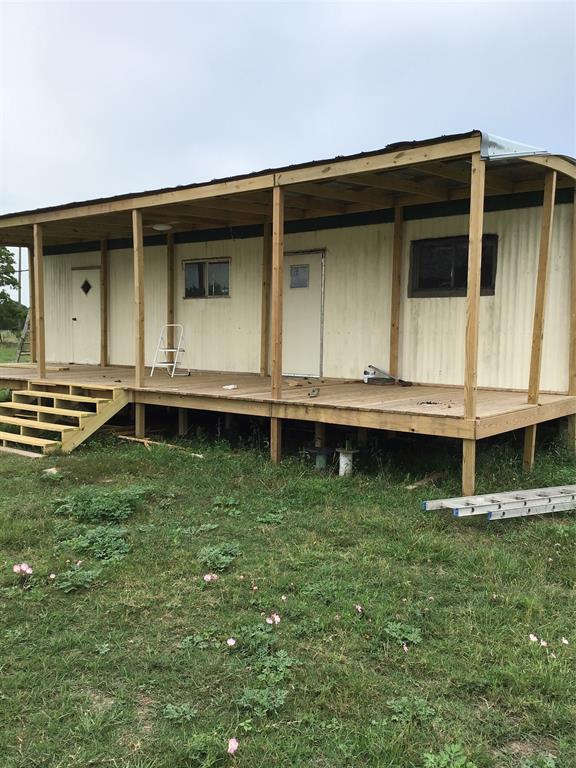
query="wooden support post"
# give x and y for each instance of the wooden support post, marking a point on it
(170, 292)
(319, 434)
(277, 316)
(182, 422)
(468, 467)
(276, 440)
(362, 437)
(139, 419)
(32, 303)
(396, 291)
(40, 338)
(104, 303)
(546, 227)
(572, 356)
(475, 228)
(265, 313)
(140, 347)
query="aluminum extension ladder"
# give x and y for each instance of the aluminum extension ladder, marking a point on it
(166, 356)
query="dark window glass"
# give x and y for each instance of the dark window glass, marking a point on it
(439, 266)
(299, 275)
(218, 278)
(194, 279)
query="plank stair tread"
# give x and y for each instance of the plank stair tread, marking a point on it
(60, 396)
(43, 409)
(48, 426)
(40, 442)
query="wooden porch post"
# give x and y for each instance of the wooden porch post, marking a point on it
(40, 337)
(572, 358)
(32, 303)
(396, 290)
(277, 316)
(140, 346)
(475, 228)
(170, 314)
(103, 303)
(265, 314)
(539, 312)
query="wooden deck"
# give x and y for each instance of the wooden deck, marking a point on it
(420, 409)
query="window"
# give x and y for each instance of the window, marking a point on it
(206, 279)
(439, 266)
(299, 275)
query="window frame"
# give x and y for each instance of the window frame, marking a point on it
(206, 263)
(488, 241)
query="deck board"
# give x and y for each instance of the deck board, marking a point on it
(420, 408)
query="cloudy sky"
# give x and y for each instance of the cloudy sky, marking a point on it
(100, 98)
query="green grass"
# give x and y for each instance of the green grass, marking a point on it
(401, 632)
(8, 353)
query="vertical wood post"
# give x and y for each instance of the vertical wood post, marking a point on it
(265, 313)
(170, 314)
(468, 467)
(32, 303)
(182, 422)
(319, 434)
(396, 290)
(40, 339)
(572, 354)
(277, 316)
(539, 312)
(475, 228)
(140, 347)
(104, 303)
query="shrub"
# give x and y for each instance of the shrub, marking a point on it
(452, 756)
(105, 542)
(96, 505)
(217, 557)
(262, 701)
(179, 713)
(75, 579)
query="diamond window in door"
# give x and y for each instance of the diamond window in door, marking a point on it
(86, 287)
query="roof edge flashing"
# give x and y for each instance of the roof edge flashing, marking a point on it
(498, 148)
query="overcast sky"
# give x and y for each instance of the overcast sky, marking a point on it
(100, 98)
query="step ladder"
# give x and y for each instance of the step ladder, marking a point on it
(24, 342)
(169, 350)
(501, 506)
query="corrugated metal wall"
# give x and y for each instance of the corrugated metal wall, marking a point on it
(224, 334)
(432, 330)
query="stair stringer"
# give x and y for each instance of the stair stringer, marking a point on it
(91, 424)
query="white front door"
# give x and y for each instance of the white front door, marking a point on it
(86, 315)
(302, 326)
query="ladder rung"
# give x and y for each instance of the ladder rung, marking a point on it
(170, 349)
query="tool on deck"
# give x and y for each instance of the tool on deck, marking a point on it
(374, 375)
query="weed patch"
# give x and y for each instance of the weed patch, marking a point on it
(90, 504)
(218, 557)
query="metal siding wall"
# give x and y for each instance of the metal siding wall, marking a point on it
(432, 330)
(223, 334)
(357, 295)
(121, 312)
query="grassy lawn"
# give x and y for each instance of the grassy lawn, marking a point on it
(8, 353)
(401, 632)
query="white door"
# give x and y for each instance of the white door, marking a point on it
(302, 326)
(86, 315)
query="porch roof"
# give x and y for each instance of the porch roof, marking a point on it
(401, 174)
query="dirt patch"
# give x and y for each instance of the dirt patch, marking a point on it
(526, 749)
(143, 712)
(99, 701)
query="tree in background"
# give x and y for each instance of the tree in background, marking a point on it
(12, 314)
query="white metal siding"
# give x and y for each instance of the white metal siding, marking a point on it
(224, 333)
(432, 330)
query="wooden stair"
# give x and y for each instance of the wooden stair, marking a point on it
(53, 417)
